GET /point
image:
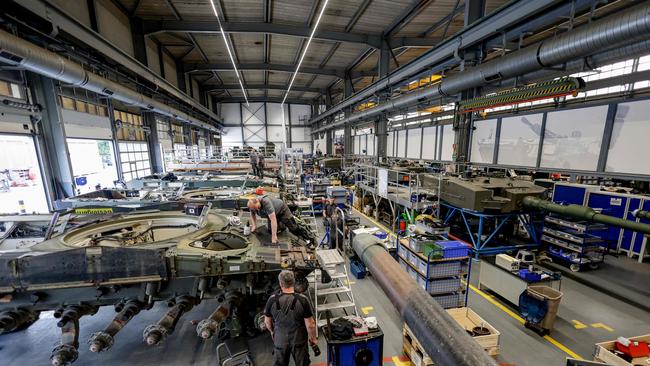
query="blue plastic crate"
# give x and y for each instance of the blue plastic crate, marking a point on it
(453, 249)
(529, 276)
(358, 269)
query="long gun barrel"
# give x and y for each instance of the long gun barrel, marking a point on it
(584, 213)
(446, 342)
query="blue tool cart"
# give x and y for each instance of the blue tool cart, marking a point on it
(359, 350)
(577, 243)
(439, 266)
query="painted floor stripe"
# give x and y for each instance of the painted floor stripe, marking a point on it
(578, 325)
(502, 307)
(367, 309)
(603, 326)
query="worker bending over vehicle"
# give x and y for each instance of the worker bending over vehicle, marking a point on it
(276, 211)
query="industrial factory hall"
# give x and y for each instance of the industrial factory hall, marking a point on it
(325, 182)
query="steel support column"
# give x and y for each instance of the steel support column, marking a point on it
(180, 76)
(43, 90)
(155, 153)
(139, 44)
(381, 132)
(288, 132)
(383, 64)
(474, 10)
(348, 90)
(116, 143)
(329, 143)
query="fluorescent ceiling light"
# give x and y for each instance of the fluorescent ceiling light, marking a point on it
(304, 52)
(232, 59)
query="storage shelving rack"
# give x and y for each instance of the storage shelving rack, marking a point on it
(575, 242)
(446, 279)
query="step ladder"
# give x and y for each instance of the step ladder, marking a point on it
(308, 216)
(335, 297)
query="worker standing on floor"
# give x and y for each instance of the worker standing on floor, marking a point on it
(276, 211)
(260, 165)
(253, 159)
(290, 319)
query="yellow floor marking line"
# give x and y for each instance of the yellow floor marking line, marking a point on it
(491, 299)
(367, 309)
(578, 325)
(348, 282)
(397, 362)
(390, 232)
(603, 326)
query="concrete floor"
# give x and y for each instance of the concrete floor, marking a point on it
(519, 346)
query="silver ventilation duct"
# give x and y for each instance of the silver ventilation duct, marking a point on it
(619, 30)
(19, 52)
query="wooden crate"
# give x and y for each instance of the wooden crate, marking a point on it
(468, 319)
(603, 353)
(413, 349)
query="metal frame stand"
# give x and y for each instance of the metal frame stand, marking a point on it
(481, 245)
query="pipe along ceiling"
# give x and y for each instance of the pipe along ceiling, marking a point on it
(19, 52)
(623, 33)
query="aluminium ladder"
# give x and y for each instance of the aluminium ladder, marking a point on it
(336, 296)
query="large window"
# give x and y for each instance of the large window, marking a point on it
(448, 136)
(93, 164)
(519, 141)
(629, 137)
(572, 138)
(21, 185)
(135, 160)
(483, 141)
(130, 126)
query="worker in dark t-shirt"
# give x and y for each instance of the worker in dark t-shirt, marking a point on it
(276, 211)
(289, 318)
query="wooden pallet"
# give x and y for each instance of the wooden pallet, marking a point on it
(413, 350)
(468, 319)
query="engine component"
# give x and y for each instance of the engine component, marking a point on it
(206, 328)
(15, 319)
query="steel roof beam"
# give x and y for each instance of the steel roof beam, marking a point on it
(152, 27)
(341, 73)
(262, 100)
(405, 17)
(214, 88)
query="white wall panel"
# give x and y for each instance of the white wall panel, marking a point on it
(320, 143)
(300, 112)
(231, 136)
(430, 145)
(275, 114)
(573, 137)
(401, 144)
(113, 25)
(300, 134)
(448, 135)
(253, 114)
(390, 144)
(230, 113)
(305, 146)
(629, 137)
(483, 141)
(152, 55)
(519, 140)
(414, 142)
(275, 134)
(254, 134)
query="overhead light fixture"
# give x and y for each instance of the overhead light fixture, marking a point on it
(304, 52)
(232, 59)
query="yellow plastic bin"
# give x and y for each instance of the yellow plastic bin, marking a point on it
(553, 298)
